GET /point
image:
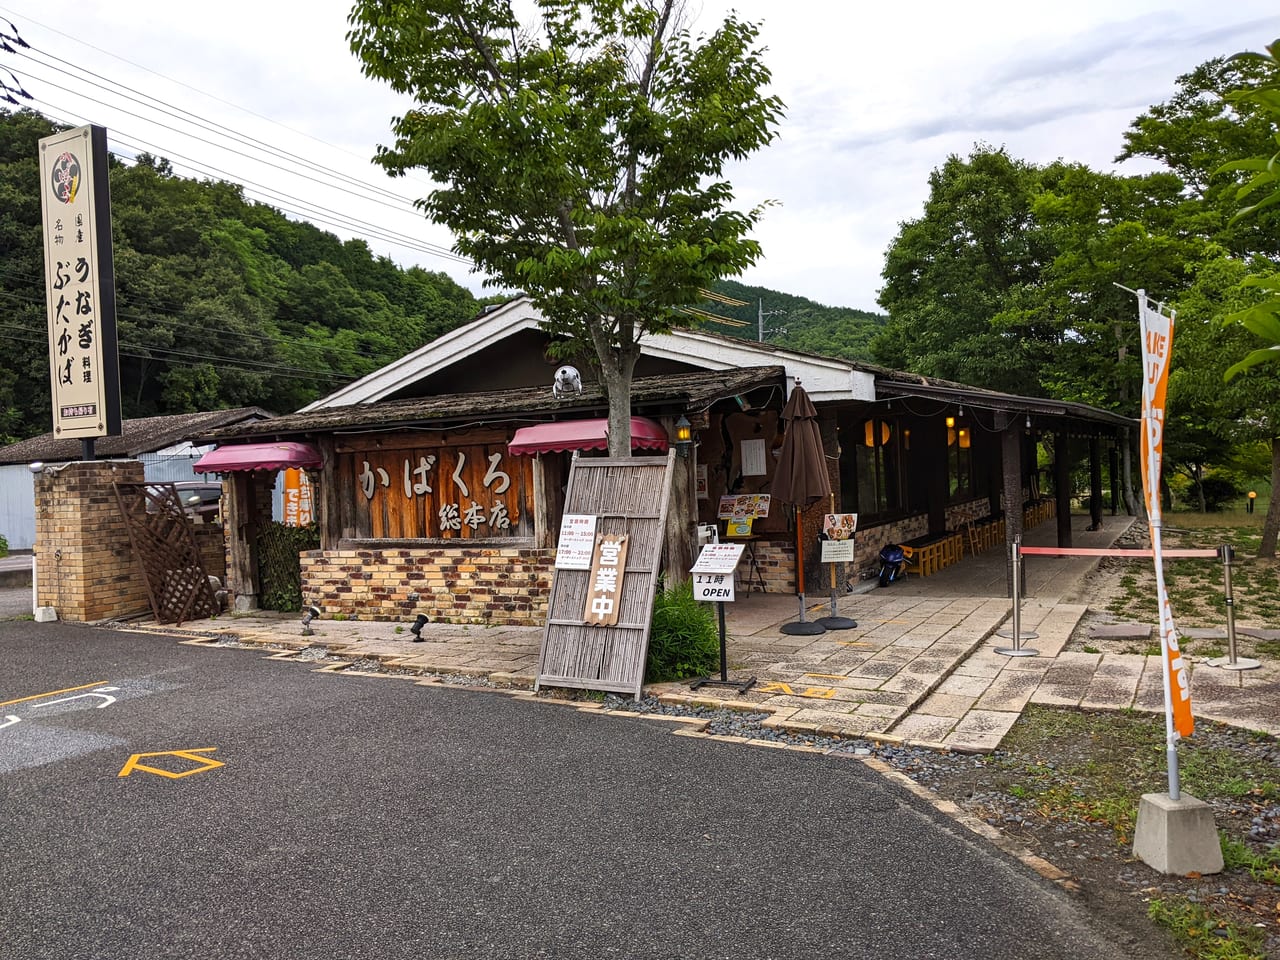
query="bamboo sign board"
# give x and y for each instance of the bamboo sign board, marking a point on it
(629, 496)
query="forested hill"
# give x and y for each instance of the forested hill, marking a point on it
(221, 302)
(224, 302)
(796, 322)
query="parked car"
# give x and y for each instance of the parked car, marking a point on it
(200, 498)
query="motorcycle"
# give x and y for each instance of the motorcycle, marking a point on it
(893, 562)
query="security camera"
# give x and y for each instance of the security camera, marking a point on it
(37, 467)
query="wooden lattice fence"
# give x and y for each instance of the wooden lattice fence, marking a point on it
(164, 543)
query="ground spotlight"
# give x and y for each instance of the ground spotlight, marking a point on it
(416, 629)
(309, 614)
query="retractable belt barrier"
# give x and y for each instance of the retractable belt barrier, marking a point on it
(1225, 553)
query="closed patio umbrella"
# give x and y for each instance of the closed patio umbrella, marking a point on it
(801, 480)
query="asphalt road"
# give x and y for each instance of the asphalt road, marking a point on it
(371, 818)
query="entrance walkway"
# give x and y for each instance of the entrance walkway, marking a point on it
(920, 667)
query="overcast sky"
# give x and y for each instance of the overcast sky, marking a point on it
(877, 96)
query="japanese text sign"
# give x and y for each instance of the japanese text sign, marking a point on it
(718, 558)
(577, 541)
(713, 587)
(84, 366)
(604, 585)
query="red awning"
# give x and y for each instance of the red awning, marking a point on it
(584, 435)
(258, 456)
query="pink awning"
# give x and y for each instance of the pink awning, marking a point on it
(280, 455)
(584, 435)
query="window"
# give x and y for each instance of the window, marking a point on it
(961, 483)
(873, 483)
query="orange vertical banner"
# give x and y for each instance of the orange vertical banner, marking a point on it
(1157, 347)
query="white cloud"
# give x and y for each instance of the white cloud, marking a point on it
(877, 95)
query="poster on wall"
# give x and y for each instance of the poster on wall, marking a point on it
(700, 482)
(577, 541)
(298, 505)
(753, 458)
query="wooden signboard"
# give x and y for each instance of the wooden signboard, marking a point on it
(604, 585)
(629, 496)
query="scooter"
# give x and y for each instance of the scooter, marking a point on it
(893, 561)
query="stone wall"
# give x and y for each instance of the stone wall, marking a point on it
(85, 568)
(508, 586)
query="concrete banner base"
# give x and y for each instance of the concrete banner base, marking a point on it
(1177, 836)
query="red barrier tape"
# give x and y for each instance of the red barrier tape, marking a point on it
(1091, 552)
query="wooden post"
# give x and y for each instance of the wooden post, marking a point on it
(325, 492)
(1062, 484)
(682, 515)
(1011, 468)
(1113, 466)
(1095, 483)
(242, 560)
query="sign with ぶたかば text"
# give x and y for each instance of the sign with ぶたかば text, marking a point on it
(84, 365)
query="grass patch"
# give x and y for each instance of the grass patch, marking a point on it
(1205, 936)
(1263, 867)
(1119, 758)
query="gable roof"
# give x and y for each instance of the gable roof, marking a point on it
(684, 392)
(824, 378)
(139, 436)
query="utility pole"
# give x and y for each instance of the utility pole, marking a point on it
(761, 315)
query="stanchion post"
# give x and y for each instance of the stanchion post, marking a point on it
(1231, 661)
(1016, 634)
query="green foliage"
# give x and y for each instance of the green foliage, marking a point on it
(220, 302)
(796, 323)
(278, 564)
(683, 639)
(580, 155)
(1217, 490)
(1202, 935)
(4, 546)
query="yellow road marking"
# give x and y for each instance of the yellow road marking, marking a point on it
(54, 693)
(207, 763)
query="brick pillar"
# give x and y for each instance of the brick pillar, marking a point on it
(85, 568)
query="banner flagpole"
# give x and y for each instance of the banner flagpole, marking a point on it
(1157, 346)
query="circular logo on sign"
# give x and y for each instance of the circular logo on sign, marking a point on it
(65, 178)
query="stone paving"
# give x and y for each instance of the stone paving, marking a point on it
(920, 667)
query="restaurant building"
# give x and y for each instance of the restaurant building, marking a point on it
(439, 479)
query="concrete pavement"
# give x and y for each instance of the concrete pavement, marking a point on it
(920, 667)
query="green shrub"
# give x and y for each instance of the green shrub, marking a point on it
(4, 546)
(683, 640)
(1217, 491)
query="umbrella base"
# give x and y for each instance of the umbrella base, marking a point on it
(837, 623)
(803, 628)
(742, 686)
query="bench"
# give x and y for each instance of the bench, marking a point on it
(933, 552)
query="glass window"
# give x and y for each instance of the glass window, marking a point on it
(877, 468)
(960, 474)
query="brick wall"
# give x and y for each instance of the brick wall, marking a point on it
(958, 513)
(508, 586)
(85, 566)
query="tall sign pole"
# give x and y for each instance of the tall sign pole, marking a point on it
(1157, 346)
(84, 360)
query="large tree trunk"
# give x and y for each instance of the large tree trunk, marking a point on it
(1271, 526)
(617, 367)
